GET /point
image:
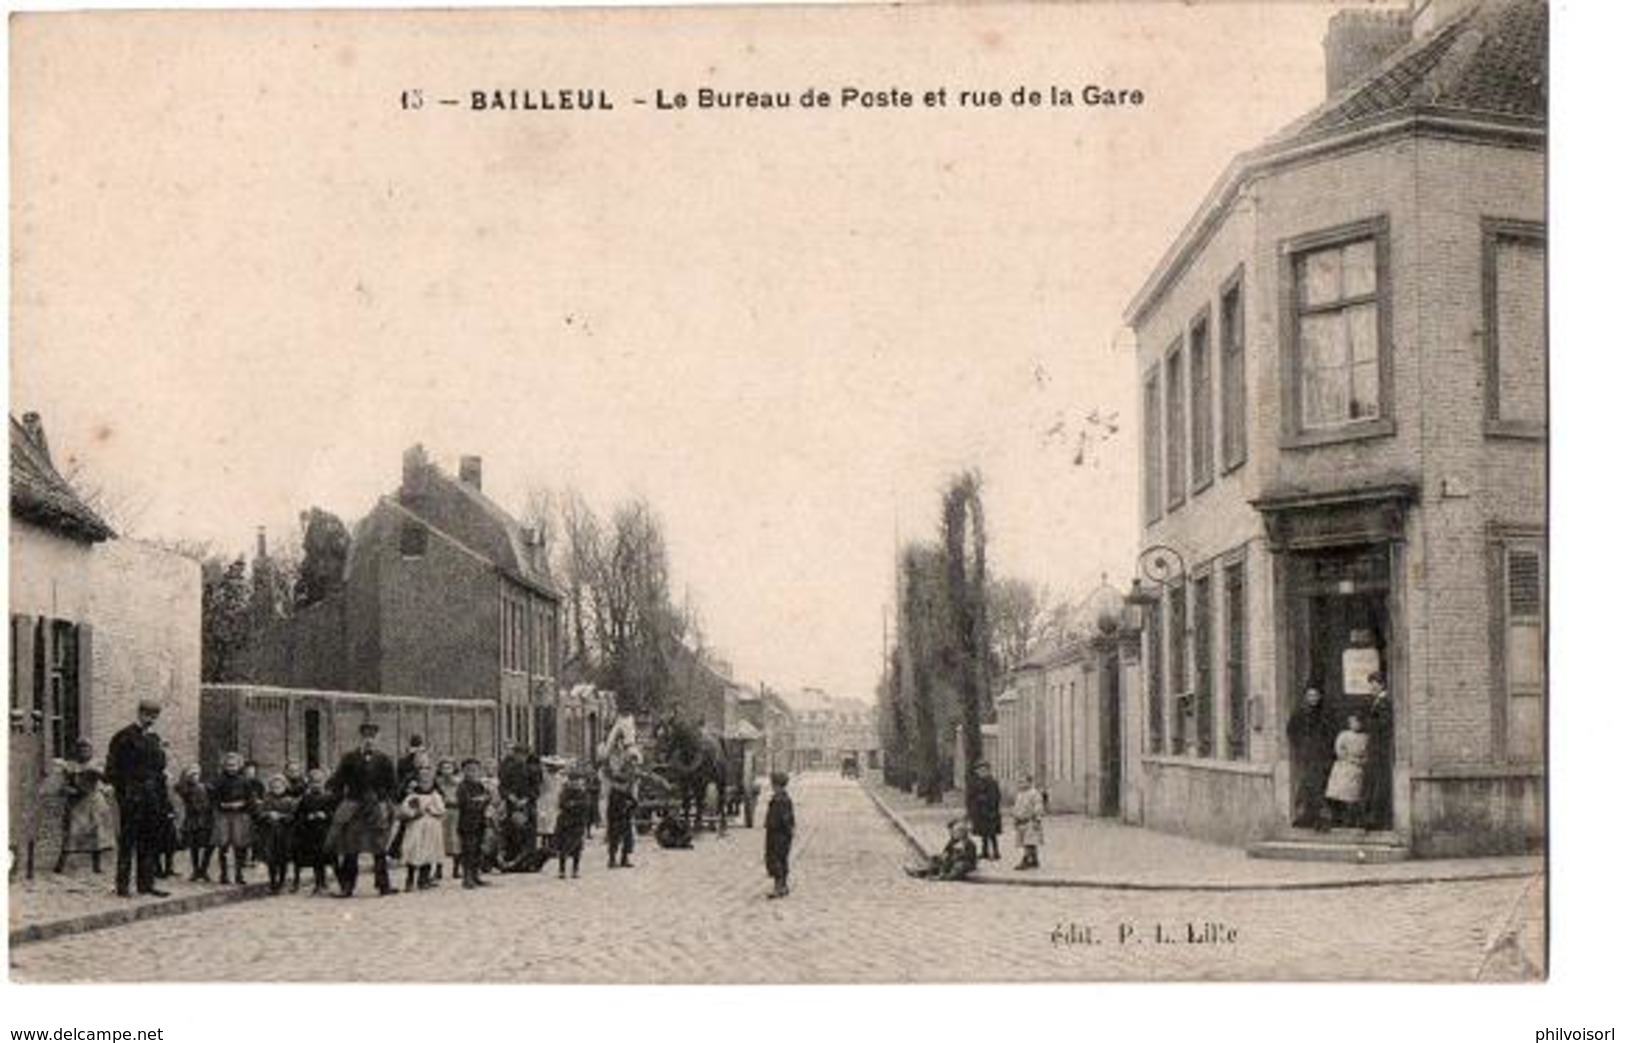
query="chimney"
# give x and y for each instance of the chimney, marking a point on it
(259, 545)
(414, 471)
(1358, 41)
(468, 471)
(35, 430)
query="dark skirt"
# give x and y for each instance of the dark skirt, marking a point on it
(778, 856)
(360, 829)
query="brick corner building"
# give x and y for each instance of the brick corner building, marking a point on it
(1342, 365)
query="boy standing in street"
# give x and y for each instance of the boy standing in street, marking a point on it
(781, 830)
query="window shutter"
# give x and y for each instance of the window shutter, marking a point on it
(86, 693)
(1523, 584)
(24, 680)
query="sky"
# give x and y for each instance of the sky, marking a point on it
(246, 279)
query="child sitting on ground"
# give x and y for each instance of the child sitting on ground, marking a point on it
(957, 860)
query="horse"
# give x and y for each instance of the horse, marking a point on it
(695, 758)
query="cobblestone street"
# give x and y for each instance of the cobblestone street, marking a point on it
(702, 916)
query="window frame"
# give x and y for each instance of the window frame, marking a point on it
(1496, 230)
(1177, 637)
(1232, 456)
(1175, 443)
(1237, 709)
(1201, 608)
(1503, 541)
(1293, 434)
(1151, 494)
(1201, 428)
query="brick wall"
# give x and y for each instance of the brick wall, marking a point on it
(146, 605)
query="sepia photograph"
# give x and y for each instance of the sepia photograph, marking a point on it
(998, 493)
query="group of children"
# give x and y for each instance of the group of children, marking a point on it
(444, 813)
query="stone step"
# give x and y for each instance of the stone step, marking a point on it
(1340, 849)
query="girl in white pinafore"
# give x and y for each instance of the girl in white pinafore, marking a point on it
(423, 845)
(1345, 787)
(1028, 812)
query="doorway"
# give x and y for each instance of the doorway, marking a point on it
(313, 737)
(1339, 599)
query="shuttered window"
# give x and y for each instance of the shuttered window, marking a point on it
(1202, 653)
(1235, 659)
(1233, 375)
(1174, 436)
(1155, 694)
(1201, 405)
(1525, 651)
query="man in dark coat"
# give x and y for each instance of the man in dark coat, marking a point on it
(1379, 764)
(135, 769)
(365, 784)
(781, 833)
(983, 802)
(1312, 734)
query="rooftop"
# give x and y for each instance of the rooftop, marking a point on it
(40, 494)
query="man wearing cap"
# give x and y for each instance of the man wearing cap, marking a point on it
(365, 784)
(135, 769)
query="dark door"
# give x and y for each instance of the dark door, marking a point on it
(313, 737)
(1341, 632)
(1111, 743)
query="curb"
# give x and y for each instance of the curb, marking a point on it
(42, 932)
(1120, 884)
(896, 822)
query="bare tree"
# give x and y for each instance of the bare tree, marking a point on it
(1016, 609)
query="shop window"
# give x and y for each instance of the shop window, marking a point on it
(1515, 328)
(1338, 361)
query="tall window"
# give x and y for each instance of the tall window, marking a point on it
(62, 705)
(1151, 443)
(1201, 405)
(1202, 652)
(1233, 374)
(1338, 362)
(1178, 662)
(1235, 659)
(1524, 662)
(1175, 435)
(1515, 325)
(1155, 695)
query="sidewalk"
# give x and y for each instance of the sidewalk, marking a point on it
(1080, 851)
(53, 905)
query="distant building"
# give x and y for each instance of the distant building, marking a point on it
(830, 728)
(98, 624)
(445, 596)
(1342, 362)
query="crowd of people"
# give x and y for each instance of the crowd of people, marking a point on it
(432, 818)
